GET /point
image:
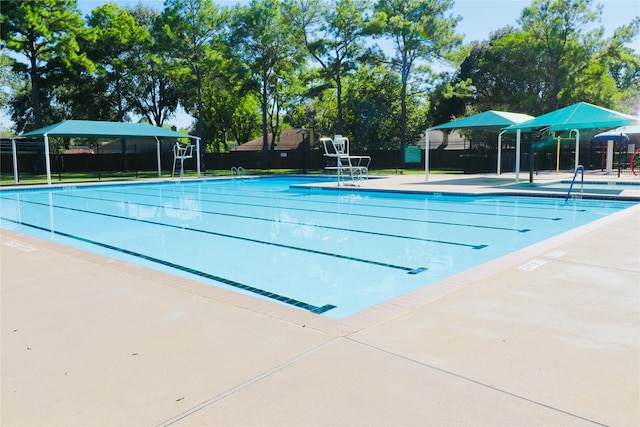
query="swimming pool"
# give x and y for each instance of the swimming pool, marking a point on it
(333, 252)
(597, 187)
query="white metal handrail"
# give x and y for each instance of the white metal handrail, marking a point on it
(238, 170)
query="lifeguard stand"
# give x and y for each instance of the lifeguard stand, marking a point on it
(181, 152)
(338, 148)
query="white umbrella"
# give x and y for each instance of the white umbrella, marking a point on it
(617, 134)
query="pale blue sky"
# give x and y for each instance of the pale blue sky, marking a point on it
(479, 17)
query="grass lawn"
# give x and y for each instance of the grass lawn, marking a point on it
(70, 177)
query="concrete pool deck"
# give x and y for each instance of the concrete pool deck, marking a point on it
(549, 335)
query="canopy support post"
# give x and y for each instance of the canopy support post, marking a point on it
(47, 160)
(499, 169)
(518, 133)
(198, 156)
(158, 156)
(426, 155)
(15, 160)
(577, 162)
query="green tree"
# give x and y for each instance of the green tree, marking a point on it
(333, 33)
(284, 93)
(264, 43)
(373, 109)
(553, 61)
(41, 31)
(115, 51)
(154, 92)
(9, 81)
(623, 65)
(245, 116)
(190, 31)
(318, 110)
(503, 73)
(419, 31)
(557, 31)
(225, 95)
(14, 94)
(449, 100)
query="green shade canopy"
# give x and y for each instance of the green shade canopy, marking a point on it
(492, 121)
(577, 116)
(99, 129)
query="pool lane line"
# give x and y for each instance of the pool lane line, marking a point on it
(410, 270)
(326, 227)
(433, 200)
(420, 221)
(229, 282)
(476, 200)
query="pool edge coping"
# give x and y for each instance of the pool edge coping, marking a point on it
(348, 325)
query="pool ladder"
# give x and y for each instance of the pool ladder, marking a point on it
(237, 171)
(575, 174)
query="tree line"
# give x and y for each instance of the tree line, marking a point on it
(378, 71)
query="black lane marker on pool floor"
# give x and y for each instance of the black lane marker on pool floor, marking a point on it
(432, 200)
(421, 221)
(229, 236)
(326, 227)
(258, 291)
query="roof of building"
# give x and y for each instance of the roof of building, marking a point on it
(289, 140)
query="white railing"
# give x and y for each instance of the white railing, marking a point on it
(238, 171)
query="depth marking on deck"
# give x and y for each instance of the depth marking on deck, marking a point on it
(555, 254)
(532, 265)
(18, 245)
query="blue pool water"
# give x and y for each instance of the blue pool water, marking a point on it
(334, 252)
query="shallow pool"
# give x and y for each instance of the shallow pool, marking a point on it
(334, 252)
(605, 187)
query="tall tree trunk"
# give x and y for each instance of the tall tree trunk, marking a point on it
(265, 136)
(556, 90)
(123, 141)
(200, 129)
(406, 69)
(340, 121)
(37, 111)
(35, 93)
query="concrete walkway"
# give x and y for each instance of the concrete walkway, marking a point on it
(88, 340)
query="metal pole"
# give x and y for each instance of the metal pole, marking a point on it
(499, 152)
(518, 135)
(47, 161)
(303, 131)
(577, 162)
(531, 155)
(15, 160)
(158, 155)
(558, 157)
(198, 156)
(426, 155)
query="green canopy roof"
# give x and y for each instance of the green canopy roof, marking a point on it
(577, 116)
(493, 121)
(99, 129)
